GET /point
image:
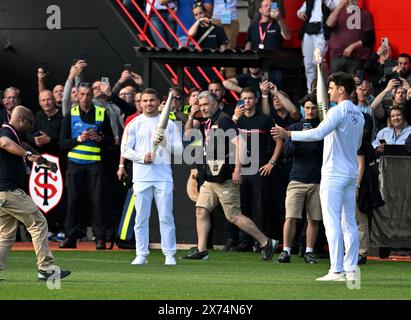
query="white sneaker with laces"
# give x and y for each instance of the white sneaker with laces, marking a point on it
(332, 276)
(139, 260)
(170, 261)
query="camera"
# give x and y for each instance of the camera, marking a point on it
(274, 6)
(127, 67)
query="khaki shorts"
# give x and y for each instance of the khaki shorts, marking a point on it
(300, 194)
(227, 193)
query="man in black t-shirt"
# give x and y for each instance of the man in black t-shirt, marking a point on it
(207, 35)
(222, 175)
(268, 34)
(254, 130)
(15, 204)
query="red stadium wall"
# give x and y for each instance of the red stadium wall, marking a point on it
(391, 20)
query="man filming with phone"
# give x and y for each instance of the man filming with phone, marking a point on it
(254, 131)
(303, 191)
(268, 34)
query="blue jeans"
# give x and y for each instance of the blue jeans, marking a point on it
(162, 30)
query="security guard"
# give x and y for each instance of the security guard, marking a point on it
(85, 131)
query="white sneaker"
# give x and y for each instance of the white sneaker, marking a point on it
(170, 261)
(332, 276)
(140, 260)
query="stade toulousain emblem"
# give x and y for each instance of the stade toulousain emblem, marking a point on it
(46, 187)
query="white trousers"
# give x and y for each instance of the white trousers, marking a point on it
(309, 43)
(163, 196)
(338, 206)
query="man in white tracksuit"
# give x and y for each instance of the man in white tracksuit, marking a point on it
(152, 175)
(342, 133)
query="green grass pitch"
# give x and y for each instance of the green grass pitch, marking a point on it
(226, 275)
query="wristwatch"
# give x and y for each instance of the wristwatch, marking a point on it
(28, 154)
(357, 186)
(272, 162)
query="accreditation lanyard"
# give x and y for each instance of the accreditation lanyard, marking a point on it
(263, 34)
(19, 141)
(394, 136)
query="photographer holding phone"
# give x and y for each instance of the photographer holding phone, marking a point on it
(255, 189)
(268, 34)
(303, 191)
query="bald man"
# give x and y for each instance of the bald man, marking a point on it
(15, 205)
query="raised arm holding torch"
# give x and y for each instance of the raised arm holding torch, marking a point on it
(162, 124)
(322, 92)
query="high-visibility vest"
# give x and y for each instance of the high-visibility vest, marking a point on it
(172, 116)
(86, 152)
(186, 109)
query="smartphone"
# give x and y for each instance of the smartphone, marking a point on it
(396, 76)
(382, 141)
(384, 41)
(306, 125)
(274, 6)
(240, 103)
(37, 134)
(127, 67)
(105, 80)
(264, 77)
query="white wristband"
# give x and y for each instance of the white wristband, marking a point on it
(121, 165)
(264, 95)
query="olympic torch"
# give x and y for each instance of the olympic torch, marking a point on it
(162, 124)
(322, 92)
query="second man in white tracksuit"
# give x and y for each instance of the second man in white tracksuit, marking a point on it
(342, 133)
